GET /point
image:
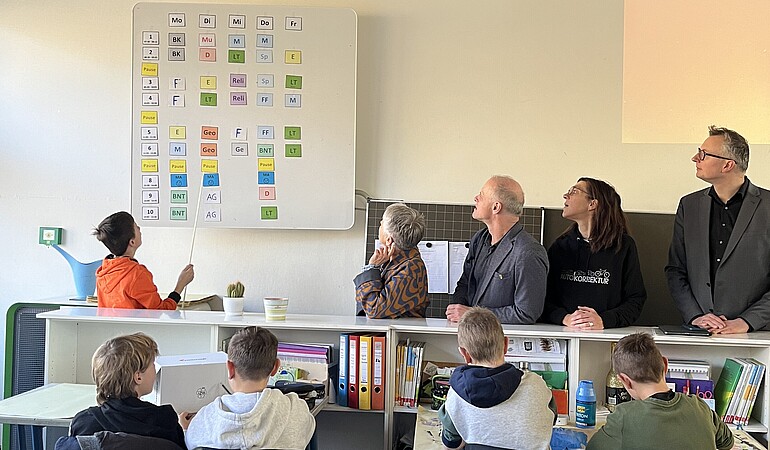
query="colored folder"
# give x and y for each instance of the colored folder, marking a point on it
(342, 381)
(353, 371)
(364, 372)
(378, 373)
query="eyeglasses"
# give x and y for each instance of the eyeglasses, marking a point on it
(702, 154)
(574, 190)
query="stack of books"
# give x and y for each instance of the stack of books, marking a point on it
(537, 353)
(736, 390)
(361, 381)
(409, 357)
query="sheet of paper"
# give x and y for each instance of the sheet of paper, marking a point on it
(435, 254)
(427, 430)
(457, 253)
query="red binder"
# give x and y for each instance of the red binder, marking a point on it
(353, 371)
(378, 373)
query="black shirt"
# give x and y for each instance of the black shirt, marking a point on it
(721, 223)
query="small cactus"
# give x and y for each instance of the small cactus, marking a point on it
(235, 289)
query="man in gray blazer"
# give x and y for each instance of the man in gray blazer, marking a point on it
(719, 261)
(506, 269)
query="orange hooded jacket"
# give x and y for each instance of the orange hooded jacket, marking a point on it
(124, 283)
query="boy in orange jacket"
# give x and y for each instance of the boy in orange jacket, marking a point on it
(121, 282)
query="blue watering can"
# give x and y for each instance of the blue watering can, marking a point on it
(84, 273)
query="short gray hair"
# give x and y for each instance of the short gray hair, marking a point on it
(405, 225)
(507, 194)
(734, 145)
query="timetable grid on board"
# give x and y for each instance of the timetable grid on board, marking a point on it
(250, 109)
(453, 223)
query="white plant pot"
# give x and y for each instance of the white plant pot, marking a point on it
(233, 306)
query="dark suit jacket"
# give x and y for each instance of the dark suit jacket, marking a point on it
(513, 286)
(742, 281)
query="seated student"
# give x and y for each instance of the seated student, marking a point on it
(595, 280)
(659, 417)
(124, 370)
(121, 282)
(252, 416)
(488, 391)
(395, 282)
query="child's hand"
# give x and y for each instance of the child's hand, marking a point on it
(185, 277)
(185, 418)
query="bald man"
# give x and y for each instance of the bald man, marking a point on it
(506, 268)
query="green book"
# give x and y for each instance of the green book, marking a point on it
(725, 387)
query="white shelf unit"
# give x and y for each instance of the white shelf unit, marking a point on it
(74, 333)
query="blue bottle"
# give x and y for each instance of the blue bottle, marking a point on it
(585, 405)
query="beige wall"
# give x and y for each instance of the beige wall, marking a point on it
(449, 92)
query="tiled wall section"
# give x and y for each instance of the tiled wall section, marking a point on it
(444, 223)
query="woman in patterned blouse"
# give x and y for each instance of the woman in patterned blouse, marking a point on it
(395, 282)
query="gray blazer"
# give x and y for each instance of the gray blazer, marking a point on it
(513, 285)
(742, 281)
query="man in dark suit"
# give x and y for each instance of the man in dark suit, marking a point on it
(506, 268)
(719, 262)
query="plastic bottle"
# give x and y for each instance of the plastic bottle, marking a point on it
(585, 405)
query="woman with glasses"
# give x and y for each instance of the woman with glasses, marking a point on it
(594, 280)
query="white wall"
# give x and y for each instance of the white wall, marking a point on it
(449, 93)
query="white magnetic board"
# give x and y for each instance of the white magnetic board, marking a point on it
(250, 109)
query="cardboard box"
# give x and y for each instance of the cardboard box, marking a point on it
(189, 382)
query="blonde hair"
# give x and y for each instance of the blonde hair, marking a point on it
(116, 361)
(637, 356)
(480, 333)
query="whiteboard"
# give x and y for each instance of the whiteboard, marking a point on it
(243, 115)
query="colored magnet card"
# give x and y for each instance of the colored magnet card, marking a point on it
(267, 193)
(266, 164)
(293, 150)
(237, 80)
(208, 99)
(177, 149)
(209, 165)
(293, 57)
(265, 150)
(179, 213)
(269, 212)
(212, 215)
(178, 180)
(239, 149)
(149, 117)
(177, 132)
(266, 177)
(210, 133)
(207, 54)
(209, 150)
(212, 197)
(237, 40)
(149, 165)
(178, 196)
(177, 166)
(292, 133)
(293, 82)
(236, 56)
(211, 179)
(208, 82)
(150, 69)
(238, 98)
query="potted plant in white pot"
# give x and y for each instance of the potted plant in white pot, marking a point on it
(233, 300)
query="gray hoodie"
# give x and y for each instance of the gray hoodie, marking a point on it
(267, 419)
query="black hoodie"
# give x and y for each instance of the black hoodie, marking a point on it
(608, 281)
(130, 415)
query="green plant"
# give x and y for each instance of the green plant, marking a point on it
(235, 289)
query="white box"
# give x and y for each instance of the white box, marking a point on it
(189, 382)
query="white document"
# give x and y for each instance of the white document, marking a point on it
(435, 254)
(457, 253)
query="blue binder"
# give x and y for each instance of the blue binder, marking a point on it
(342, 382)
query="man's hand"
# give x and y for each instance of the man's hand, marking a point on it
(456, 312)
(733, 327)
(712, 322)
(584, 318)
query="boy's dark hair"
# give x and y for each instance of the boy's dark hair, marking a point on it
(480, 333)
(116, 361)
(115, 232)
(253, 352)
(637, 356)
